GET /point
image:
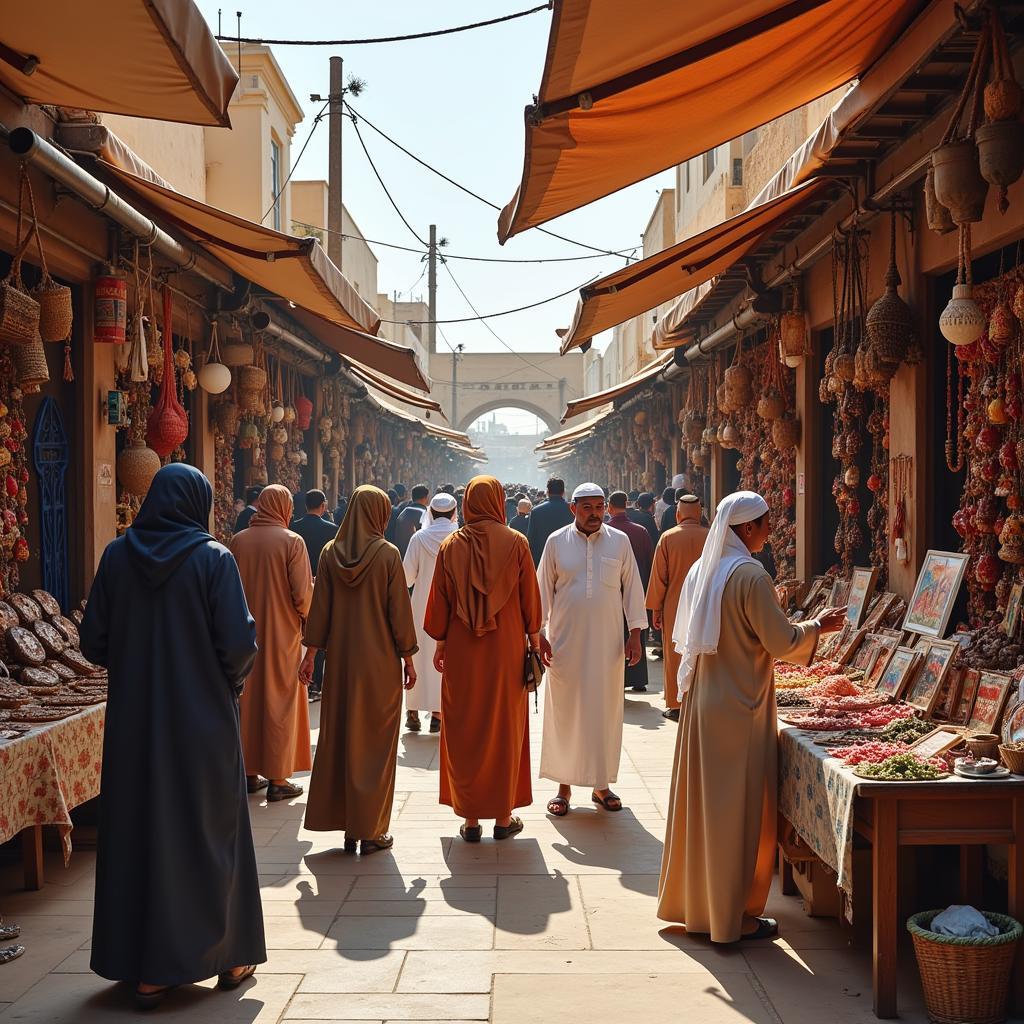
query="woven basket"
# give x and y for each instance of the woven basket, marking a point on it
(236, 354)
(252, 378)
(1013, 759)
(19, 312)
(30, 370)
(965, 981)
(136, 467)
(56, 312)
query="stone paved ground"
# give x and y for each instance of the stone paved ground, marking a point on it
(556, 924)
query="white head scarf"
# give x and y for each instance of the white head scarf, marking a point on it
(698, 624)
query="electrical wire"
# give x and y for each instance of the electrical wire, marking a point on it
(388, 39)
(519, 355)
(355, 115)
(316, 121)
(456, 256)
(391, 198)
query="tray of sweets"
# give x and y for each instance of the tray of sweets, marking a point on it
(27, 609)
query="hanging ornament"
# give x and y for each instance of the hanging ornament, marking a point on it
(962, 321)
(214, 376)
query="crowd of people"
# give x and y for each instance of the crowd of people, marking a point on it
(450, 595)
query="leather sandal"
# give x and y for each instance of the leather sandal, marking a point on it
(228, 981)
(382, 842)
(285, 792)
(513, 828)
(255, 787)
(351, 845)
(471, 833)
(9, 953)
(435, 723)
(558, 806)
(767, 928)
(412, 721)
(151, 1000)
(608, 802)
(9, 931)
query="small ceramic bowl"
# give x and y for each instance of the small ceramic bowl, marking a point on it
(977, 766)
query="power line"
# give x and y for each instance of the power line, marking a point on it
(456, 256)
(388, 39)
(316, 120)
(519, 355)
(475, 195)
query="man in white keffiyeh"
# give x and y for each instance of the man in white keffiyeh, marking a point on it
(720, 838)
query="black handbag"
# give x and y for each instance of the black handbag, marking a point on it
(533, 671)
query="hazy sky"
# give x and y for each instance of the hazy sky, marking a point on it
(457, 102)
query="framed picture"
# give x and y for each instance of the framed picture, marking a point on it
(866, 654)
(813, 593)
(935, 592)
(927, 684)
(1011, 620)
(949, 696)
(968, 691)
(829, 645)
(936, 742)
(993, 691)
(862, 586)
(884, 646)
(1013, 723)
(848, 648)
(837, 596)
(881, 607)
(897, 671)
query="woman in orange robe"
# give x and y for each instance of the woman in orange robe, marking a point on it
(274, 566)
(484, 608)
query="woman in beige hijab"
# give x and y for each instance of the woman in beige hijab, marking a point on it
(278, 587)
(362, 615)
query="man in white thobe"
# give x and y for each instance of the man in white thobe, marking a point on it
(588, 581)
(420, 559)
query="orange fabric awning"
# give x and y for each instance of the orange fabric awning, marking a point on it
(296, 269)
(144, 58)
(570, 434)
(626, 94)
(392, 390)
(647, 375)
(644, 285)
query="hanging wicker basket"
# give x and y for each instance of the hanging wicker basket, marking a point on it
(56, 312)
(136, 467)
(252, 378)
(770, 405)
(786, 433)
(236, 354)
(30, 370)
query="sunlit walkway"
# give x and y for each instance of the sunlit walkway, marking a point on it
(556, 924)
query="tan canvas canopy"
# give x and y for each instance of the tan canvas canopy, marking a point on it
(629, 92)
(144, 58)
(296, 269)
(390, 388)
(647, 375)
(650, 282)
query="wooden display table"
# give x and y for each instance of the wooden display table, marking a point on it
(827, 804)
(44, 775)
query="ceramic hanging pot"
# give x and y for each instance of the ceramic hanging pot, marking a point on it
(959, 185)
(962, 321)
(937, 215)
(1001, 155)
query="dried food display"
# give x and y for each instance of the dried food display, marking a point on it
(67, 629)
(50, 638)
(22, 646)
(8, 616)
(65, 673)
(75, 660)
(47, 602)
(27, 609)
(34, 676)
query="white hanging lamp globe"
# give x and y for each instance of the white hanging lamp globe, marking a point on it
(215, 378)
(277, 413)
(962, 321)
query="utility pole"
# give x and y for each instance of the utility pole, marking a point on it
(455, 385)
(432, 291)
(335, 108)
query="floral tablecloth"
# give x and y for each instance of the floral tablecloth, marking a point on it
(49, 771)
(816, 797)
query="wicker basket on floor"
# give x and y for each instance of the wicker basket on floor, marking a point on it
(965, 981)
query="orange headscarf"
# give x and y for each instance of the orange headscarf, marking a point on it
(480, 556)
(360, 537)
(274, 507)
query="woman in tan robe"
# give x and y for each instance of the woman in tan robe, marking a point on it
(720, 837)
(484, 607)
(278, 585)
(362, 615)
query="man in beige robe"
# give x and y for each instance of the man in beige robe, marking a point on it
(676, 552)
(721, 832)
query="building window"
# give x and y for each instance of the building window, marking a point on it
(275, 181)
(687, 176)
(710, 159)
(737, 171)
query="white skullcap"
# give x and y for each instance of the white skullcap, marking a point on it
(442, 502)
(587, 490)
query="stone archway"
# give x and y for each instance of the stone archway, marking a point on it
(483, 409)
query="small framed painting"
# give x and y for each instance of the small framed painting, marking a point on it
(927, 685)
(935, 592)
(968, 691)
(949, 696)
(813, 593)
(1011, 620)
(848, 648)
(866, 654)
(881, 608)
(898, 670)
(885, 645)
(1013, 723)
(837, 596)
(936, 742)
(862, 586)
(993, 691)
(829, 645)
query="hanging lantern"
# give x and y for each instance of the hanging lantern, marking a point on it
(793, 333)
(167, 426)
(110, 307)
(277, 413)
(888, 322)
(303, 412)
(962, 321)
(215, 376)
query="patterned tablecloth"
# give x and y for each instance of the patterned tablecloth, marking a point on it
(816, 796)
(49, 771)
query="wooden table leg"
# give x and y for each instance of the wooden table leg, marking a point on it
(786, 883)
(972, 874)
(32, 856)
(885, 899)
(1015, 896)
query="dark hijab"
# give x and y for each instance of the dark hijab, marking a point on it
(173, 521)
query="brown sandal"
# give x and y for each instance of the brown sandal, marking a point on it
(368, 846)
(558, 806)
(228, 981)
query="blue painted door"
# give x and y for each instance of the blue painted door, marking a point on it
(50, 457)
